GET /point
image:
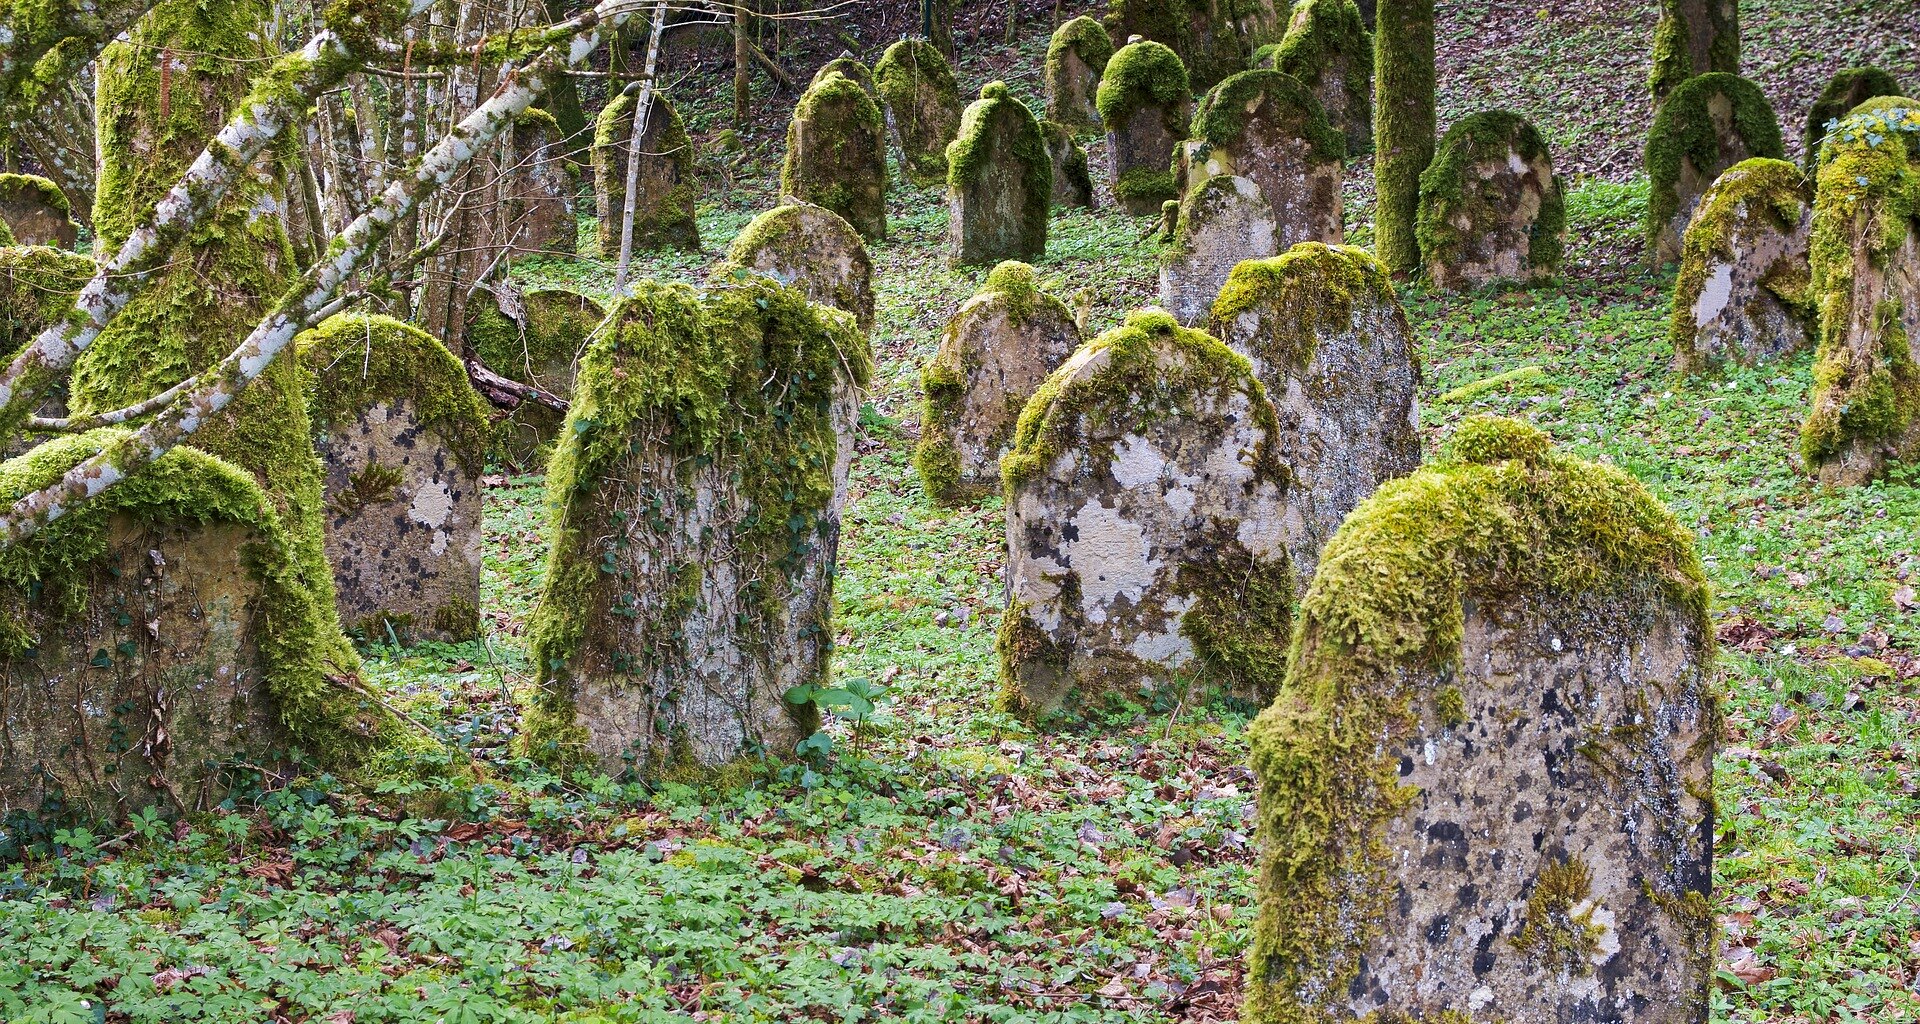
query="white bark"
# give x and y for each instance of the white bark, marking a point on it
(642, 106)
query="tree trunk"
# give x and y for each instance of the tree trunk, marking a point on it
(1694, 37)
(742, 65)
(1403, 124)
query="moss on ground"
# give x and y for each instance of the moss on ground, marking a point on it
(1759, 187)
(1683, 131)
(355, 361)
(1445, 196)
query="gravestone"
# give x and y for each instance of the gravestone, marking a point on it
(533, 338)
(1326, 335)
(1072, 184)
(1865, 253)
(994, 353)
(1212, 37)
(1708, 124)
(1222, 221)
(1846, 90)
(1743, 295)
(1329, 50)
(1266, 127)
(1146, 541)
(1491, 209)
(813, 249)
(999, 182)
(837, 155)
(1077, 55)
(143, 661)
(543, 186)
(852, 69)
(402, 436)
(1485, 788)
(663, 215)
(923, 104)
(1143, 100)
(697, 497)
(36, 211)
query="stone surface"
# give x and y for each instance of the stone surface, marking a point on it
(1743, 294)
(543, 187)
(852, 69)
(1223, 220)
(402, 437)
(36, 211)
(1144, 101)
(1328, 49)
(1145, 529)
(1072, 184)
(1846, 90)
(1485, 788)
(1491, 209)
(533, 338)
(1213, 37)
(1266, 127)
(1708, 124)
(668, 186)
(1076, 56)
(923, 105)
(813, 249)
(697, 518)
(1325, 333)
(997, 349)
(837, 155)
(999, 182)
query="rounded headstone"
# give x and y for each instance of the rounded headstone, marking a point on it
(1143, 99)
(1077, 55)
(667, 190)
(993, 355)
(1325, 333)
(1329, 50)
(1846, 90)
(853, 69)
(1708, 124)
(1742, 295)
(1146, 544)
(1485, 788)
(533, 338)
(837, 155)
(1491, 209)
(923, 103)
(1223, 220)
(813, 249)
(999, 182)
(1072, 183)
(1266, 126)
(36, 211)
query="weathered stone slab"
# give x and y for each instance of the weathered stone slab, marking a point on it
(543, 186)
(1325, 334)
(993, 355)
(1223, 220)
(668, 188)
(402, 436)
(1077, 56)
(698, 495)
(36, 211)
(1491, 209)
(533, 338)
(1743, 292)
(846, 65)
(1485, 789)
(999, 182)
(1708, 124)
(1072, 184)
(923, 105)
(1144, 101)
(813, 249)
(1145, 529)
(837, 155)
(1329, 50)
(1212, 37)
(1266, 127)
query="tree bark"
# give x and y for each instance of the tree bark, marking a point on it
(1404, 124)
(742, 69)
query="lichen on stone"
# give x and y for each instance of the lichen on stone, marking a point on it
(811, 248)
(1759, 188)
(358, 360)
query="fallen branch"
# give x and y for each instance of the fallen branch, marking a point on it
(779, 74)
(509, 394)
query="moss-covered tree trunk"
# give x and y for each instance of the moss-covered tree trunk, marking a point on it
(1694, 37)
(1403, 126)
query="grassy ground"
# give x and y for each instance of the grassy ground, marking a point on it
(949, 864)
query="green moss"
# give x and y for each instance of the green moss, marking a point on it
(1305, 292)
(1885, 104)
(997, 129)
(848, 68)
(356, 361)
(663, 219)
(1207, 34)
(1147, 183)
(558, 322)
(458, 619)
(1241, 617)
(1267, 54)
(837, 155)
(1558, 932)
(1844, 92)
(1322, 35)
(916, 83)
(1677, 55)
(1886, 119)
(38, 285)
(37, 188)
(1087, 40)
(1404, 126)
(782, 232)
(1499, 515)
(1444, 194)
(1140, 76)
(1223, 114)
(1772, 188)
(1450, 707)
(1683, 131)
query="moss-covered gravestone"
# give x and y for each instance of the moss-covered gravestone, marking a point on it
(813, 249)
(1485, 789)
(536, 339)
(1223, 220)
(1325, 334)
(403, 437)
(1212, 37)
(1266, 126)
(999, 182)
(1708, 124)
(1144, 100)
(36, 212)
(543, 186)
(837, 155)
(697, 495)
(993, 355)
(1146, 541)
(1742, 295)
(1865, 254)
(1491, 209)
(852, 69)
(1844, 91)
(1076, 58)
(1329, 50)
(1694, 37)
(667, 189)
(923, 103)
(1072, 182)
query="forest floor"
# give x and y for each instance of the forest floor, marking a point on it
(947, 863)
